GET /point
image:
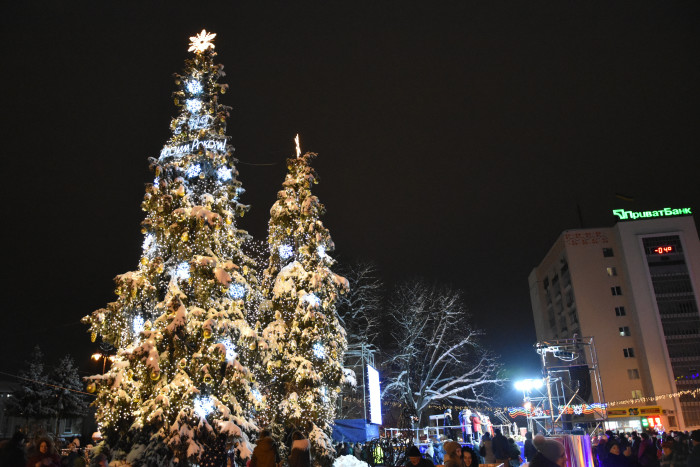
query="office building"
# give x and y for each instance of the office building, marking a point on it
(634, 288)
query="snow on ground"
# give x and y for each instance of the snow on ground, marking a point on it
(349, 461)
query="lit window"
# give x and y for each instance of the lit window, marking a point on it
(628, 352)
(620, 311)
(637, 394)
(624, 331)
(611, 271)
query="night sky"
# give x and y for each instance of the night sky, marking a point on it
(455, 138)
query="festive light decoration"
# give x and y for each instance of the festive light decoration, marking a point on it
(194, 87)
(319, 350)
(193, 171)
(230, 350)
(203, 406)
(182, 271)
(201, 42)
(321, 250)
(285, 251)
(236, 291)
(193, 105)
(137, 324)
(224, 174)
(149, 243)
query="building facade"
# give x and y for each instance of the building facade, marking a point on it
(634, 288)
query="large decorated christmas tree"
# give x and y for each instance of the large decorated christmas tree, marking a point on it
(303, 369)
(179, 388)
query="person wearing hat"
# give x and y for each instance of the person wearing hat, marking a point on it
(694, 458)
(453, 454)
(415, 459)
(550, 453)
(615, 456)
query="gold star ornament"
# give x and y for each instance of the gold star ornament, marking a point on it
(201, 42)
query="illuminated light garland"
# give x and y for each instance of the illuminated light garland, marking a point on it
(224, 174)
(321, 250)
(236, 291)
(194, 87)
(193, 171)
(203, 406)
(199, 122)
(182, 271)
(257, 395)
(319, 350)
(193, 105)
(156, 181)
(285, 251)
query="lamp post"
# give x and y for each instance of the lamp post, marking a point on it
(526, 386)
(97, 356)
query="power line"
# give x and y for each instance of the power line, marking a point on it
(46, 384)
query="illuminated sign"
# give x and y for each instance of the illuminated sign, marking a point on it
(187, 148)
(662, 250)
(665, 212)
(375, 402)
(635, 412)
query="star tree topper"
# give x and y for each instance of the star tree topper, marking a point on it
(201, 42)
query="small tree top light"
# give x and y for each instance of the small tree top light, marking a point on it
(201, 42)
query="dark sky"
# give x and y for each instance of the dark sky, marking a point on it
(456, 138)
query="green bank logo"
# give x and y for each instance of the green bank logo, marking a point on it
(665, 212)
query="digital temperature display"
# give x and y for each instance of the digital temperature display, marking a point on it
(662, 250)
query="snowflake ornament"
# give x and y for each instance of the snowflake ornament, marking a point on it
(193, 105)
(203, 406)
(319, 350)
(194, 87)
(286, 251)
(201, 42)
(230, 349)
(182, 271)
(236, 291)
(224, 173)
(137, 325)
(193, 170)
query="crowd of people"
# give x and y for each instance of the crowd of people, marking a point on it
(670, 449)
(41, 451)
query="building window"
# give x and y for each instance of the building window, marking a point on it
(608, 252)
(620, 311)
(67, 428)
(624, 331)
(629, 352)
(633, 373)
(611, 271)
(637, 394)
(616, 290)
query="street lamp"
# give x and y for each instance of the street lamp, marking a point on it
(526, 386)
(97, 356)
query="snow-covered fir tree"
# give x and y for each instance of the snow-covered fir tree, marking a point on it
(67, 388)
(33, 399)
(303, 369)
(179, 389)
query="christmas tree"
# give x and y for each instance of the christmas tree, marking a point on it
(304, 369)
(179, 389)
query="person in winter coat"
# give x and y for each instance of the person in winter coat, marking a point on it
(501, 448)
(12, 451)
(453, 454)
(550, 453)
(668, 458)
(514, 453)
(300, 455)
(415, 459)
(530, 449)
(45, 457)
(265, 453)
(647, 455)
(616, 457)
(694, 457)
(486, 449)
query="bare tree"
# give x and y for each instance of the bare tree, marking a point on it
(359, 309)
(436, 354)
(359, 312)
